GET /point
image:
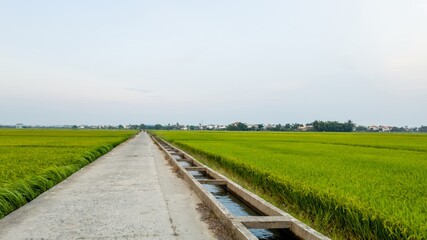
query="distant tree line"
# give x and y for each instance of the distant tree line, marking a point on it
(316, 126)
(239, 126)
(333, 126)
(177, 126)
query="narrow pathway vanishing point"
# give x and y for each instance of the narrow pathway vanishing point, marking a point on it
(129, 193)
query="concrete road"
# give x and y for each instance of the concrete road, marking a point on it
(129, 193)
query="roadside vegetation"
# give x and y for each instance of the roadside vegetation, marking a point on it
(362, 185)
(32, 161)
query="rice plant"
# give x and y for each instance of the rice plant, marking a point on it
(32, 161)
(371, 186)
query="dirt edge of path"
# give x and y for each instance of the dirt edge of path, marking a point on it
(216, 226)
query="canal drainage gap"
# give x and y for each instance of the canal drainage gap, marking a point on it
(245, 214)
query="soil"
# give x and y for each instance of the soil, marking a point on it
(218, 228)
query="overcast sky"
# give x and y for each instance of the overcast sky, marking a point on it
(119, 62)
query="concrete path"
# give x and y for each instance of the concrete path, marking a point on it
(130, 193)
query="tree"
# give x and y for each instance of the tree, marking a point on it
(361, 128)
(333, 126)
(295, 126)
(348, 126)
(238, 126)
(398, 129)
(422, 129)
(242, 126)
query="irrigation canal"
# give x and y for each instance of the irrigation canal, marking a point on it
(245, 214)
(129, 193)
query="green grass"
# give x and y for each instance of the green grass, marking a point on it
(32, 161)
(369, 186)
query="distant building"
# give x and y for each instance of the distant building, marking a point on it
(305, 128)
(19, 125)
(222, 127)
(380, 128)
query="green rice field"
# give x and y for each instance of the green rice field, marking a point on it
(32, 161)
(362, 185)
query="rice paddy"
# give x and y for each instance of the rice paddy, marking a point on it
(367, 185)
(32, 161)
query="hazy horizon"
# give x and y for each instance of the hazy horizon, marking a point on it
(188, 124)
(106, 62)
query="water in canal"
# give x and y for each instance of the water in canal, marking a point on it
(185, 164)
(239, 208)
(235, 205)
(176, 156)
(199, 175)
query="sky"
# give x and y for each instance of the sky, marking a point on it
(132, 62)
